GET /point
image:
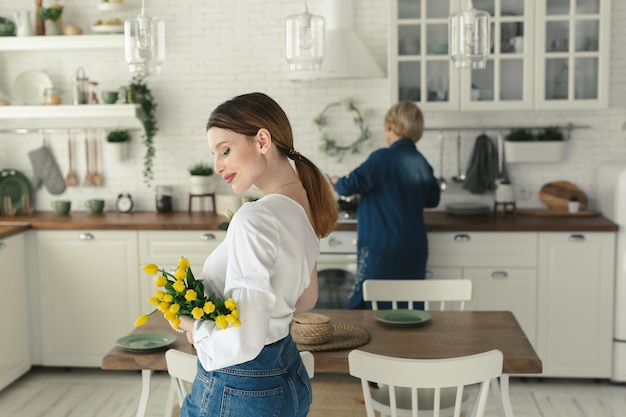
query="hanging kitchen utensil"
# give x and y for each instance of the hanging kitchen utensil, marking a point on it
(460, 176)
(46, 169)
(70, 179)
(442, 181)
(96, 179)
(87, 182)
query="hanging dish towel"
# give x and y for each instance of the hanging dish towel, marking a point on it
(482, 170)
(46, 170)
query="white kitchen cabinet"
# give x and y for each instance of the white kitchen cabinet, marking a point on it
(164, 248)
(575, 303)
(572, 54)
(14, 332)
(502, 268)
(546, 54)
(421, 71)
(36, 43)
(89, 293)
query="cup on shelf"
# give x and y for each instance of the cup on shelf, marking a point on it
(110, 97)
(62, 206)
(95, 205)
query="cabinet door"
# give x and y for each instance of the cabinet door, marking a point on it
(89, 293)
(507, 82)
(419, 64)
(575, 303)
(15, 348)
(572, 53)
(164, 248)
(506, 289)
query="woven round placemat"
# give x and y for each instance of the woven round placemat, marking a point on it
(345, 336)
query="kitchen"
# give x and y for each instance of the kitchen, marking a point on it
(219, 49)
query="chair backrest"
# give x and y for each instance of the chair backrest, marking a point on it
(405, 380)
(413, 290)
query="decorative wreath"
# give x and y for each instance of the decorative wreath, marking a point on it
(330, 145)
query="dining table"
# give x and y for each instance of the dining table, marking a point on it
(444, 334)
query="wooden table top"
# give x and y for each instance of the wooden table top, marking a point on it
(447, 334)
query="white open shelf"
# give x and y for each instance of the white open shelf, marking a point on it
(31, 43)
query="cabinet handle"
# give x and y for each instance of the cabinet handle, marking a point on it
(499, 274)
(86, 236)
(576, 238)
(2, 245)
(208, 236)
(332, 242)
(462, 238)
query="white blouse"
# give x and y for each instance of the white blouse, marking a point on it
(264, 263)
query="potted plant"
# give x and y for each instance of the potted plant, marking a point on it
(201, 178)
(504, 192)
(119, 143)
(573, 205)
(51, 16)
(521, 145)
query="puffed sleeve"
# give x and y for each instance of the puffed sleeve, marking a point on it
(253, 244)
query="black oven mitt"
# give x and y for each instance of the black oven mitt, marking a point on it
(47, 170)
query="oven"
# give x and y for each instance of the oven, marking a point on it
(336, 269)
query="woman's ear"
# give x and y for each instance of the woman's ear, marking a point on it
(265, 139)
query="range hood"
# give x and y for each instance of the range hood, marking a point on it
(345, 56)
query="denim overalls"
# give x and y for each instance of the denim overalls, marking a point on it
(274, 384)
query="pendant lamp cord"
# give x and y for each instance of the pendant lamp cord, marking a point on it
(143, 10)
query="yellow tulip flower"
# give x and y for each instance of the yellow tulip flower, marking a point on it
(141, 320)
(179, 286)
(175, 323)
(154, 301)
(180, 274)
(169, 315)
(230, 304)
(160, 281)
(168, 298)
(175, 308)
(209, 307)
(183, 263)
(163, 306)
(191, 295)
(220, 322)
(235, 313)
(197, 313)
(236, 323)
(151, 269)
(230, 318)
(159, 294)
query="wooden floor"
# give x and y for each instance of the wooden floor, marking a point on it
(55, 392)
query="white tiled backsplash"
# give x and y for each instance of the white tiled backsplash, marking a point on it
(217, 49)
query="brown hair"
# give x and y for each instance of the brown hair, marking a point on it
(406, 120)
(246, 114)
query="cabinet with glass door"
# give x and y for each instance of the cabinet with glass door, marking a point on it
(420, 66)
(572, 54)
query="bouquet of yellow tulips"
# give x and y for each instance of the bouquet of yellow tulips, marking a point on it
(182, 294)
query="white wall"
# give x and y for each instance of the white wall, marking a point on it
(219, 48)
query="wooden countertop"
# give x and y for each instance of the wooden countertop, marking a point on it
(436, 221)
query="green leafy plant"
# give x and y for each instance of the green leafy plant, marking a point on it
(139, 92)
(574, 198)
(520, 135)
(201, 168)
(550, 134)
(53, 12)
(116, 136)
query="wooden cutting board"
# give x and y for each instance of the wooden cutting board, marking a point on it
(541, 212)
(556, 195)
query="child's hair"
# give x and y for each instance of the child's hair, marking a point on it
(406, 120)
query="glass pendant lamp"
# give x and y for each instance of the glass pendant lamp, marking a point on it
(469, 37)
(144, 43)
(304, 37)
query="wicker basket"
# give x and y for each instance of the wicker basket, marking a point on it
(311, 329)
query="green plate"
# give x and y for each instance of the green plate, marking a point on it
(402, 318)
(146, 342)
(14, 184)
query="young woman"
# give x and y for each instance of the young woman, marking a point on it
(266, 263)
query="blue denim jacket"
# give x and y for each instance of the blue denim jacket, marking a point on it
(395, 184)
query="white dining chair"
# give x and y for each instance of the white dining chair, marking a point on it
(182, 368)
(429, 291)
(431, 386)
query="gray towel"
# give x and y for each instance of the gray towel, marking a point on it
(47, 170)
(482, 170)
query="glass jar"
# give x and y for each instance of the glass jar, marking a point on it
(79, 92)
(51, 96)
(164, 201)
(92, 91)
